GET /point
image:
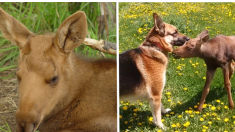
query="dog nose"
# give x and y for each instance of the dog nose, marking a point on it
(187, 38)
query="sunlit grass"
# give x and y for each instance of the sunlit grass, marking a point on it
(185, 77)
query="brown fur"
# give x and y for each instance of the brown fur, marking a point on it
(142, 70)
(216, 52)
(59, 91)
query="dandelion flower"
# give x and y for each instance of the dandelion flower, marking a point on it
(201, 119)
(185, 89)
(173, 125)
(210, 122)
(226, 120)
(213, 108)
(124, 107)
(204, 78)
(120, 116)
(186, 124)
(150, 118)
(126, 122)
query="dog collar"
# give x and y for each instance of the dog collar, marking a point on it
(158, 45)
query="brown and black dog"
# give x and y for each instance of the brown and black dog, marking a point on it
(142, 70)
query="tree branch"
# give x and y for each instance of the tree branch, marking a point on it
(101, 45)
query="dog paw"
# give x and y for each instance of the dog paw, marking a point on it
(165, 111)
(168, 110)
(161, 126)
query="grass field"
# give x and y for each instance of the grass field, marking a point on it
(42, 18)
(185, 77)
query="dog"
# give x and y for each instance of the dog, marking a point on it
(142, 70)
(216, 52)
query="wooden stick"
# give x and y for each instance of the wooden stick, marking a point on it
(101, 45)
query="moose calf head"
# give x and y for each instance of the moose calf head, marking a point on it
(192, 47)
(43, 67)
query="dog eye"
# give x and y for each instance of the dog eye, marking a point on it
(54, 81)
(175, 32)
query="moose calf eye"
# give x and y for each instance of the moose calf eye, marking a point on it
(54, 81)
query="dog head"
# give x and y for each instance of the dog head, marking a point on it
(164, 35)
(191, 48)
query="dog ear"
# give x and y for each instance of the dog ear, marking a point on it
(71, 32)
(158, 24)
(13, 30)
(204, 35)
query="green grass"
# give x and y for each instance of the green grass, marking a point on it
(185, 77)
(42, 18)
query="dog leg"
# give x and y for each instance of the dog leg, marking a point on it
(155, 104)
(164, 111)
(227, 84)
(209, 76)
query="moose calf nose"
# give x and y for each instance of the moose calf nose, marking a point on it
(26, 121)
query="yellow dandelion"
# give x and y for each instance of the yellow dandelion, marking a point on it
(173, 125)
(201, 119)
(135, 114)
(172, 113)
(204, 78)
(150, 118)
(135, 110)
(168, 93)
(209, 122)
(226, 120)
(226, 107)
(185, 89)
(126, 122)
(129, 127)
(195, 106)
(186, 124)
(213, 108)
(124, 107)
(120, 116)
(196, 72)
(139, 124)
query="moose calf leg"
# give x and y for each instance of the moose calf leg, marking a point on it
(209, 76)
(227, 84)
(231, 69)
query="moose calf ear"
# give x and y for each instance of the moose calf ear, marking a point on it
(158, 24)
(13, 30)
(204, 35)
(72, 32)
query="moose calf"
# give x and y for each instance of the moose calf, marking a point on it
(216, 52)
(59, 91)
